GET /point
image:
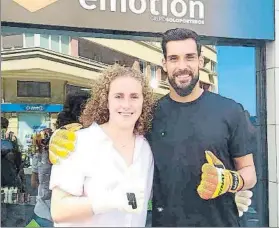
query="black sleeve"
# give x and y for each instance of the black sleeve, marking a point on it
(239, 133)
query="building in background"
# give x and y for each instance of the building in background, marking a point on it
(38, 70)
(146, 56)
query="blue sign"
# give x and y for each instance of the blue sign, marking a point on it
(31, 107)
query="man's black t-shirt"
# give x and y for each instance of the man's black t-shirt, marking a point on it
(181, 133)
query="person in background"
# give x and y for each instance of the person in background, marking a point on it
(12, 180)
(72, 109)
(10, 136)
(41, 168)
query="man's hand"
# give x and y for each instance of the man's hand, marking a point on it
(216, 180)
(62, 142)
(243, 201)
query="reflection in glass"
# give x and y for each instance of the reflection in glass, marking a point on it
(237, 80)
(34, 91)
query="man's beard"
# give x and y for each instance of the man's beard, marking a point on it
(184, 91)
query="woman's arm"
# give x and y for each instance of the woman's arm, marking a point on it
(34, 180)
(68, 203)
(67, 180)
(68, 208)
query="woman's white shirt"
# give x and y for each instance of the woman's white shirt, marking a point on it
(96, 165)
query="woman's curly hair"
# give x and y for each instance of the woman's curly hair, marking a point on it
(96, 108)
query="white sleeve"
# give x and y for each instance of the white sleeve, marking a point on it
(69, 174)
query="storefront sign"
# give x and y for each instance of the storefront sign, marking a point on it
(243, 19)
(31, 107)
(38, 108)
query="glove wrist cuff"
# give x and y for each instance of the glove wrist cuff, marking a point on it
(237, 182)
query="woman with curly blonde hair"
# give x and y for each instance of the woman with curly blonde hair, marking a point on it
(108, 180)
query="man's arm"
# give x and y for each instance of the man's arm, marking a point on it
(240, 147)
(216, 179)
(246, 168)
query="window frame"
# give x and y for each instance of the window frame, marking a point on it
(35, 85)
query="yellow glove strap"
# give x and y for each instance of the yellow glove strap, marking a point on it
(228, 181)
(237, 182)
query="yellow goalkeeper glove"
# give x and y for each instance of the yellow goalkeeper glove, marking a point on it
(62, 142)
(216, 180)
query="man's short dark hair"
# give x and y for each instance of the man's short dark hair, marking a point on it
(4, 123)
(180, 34)
(73, 106)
